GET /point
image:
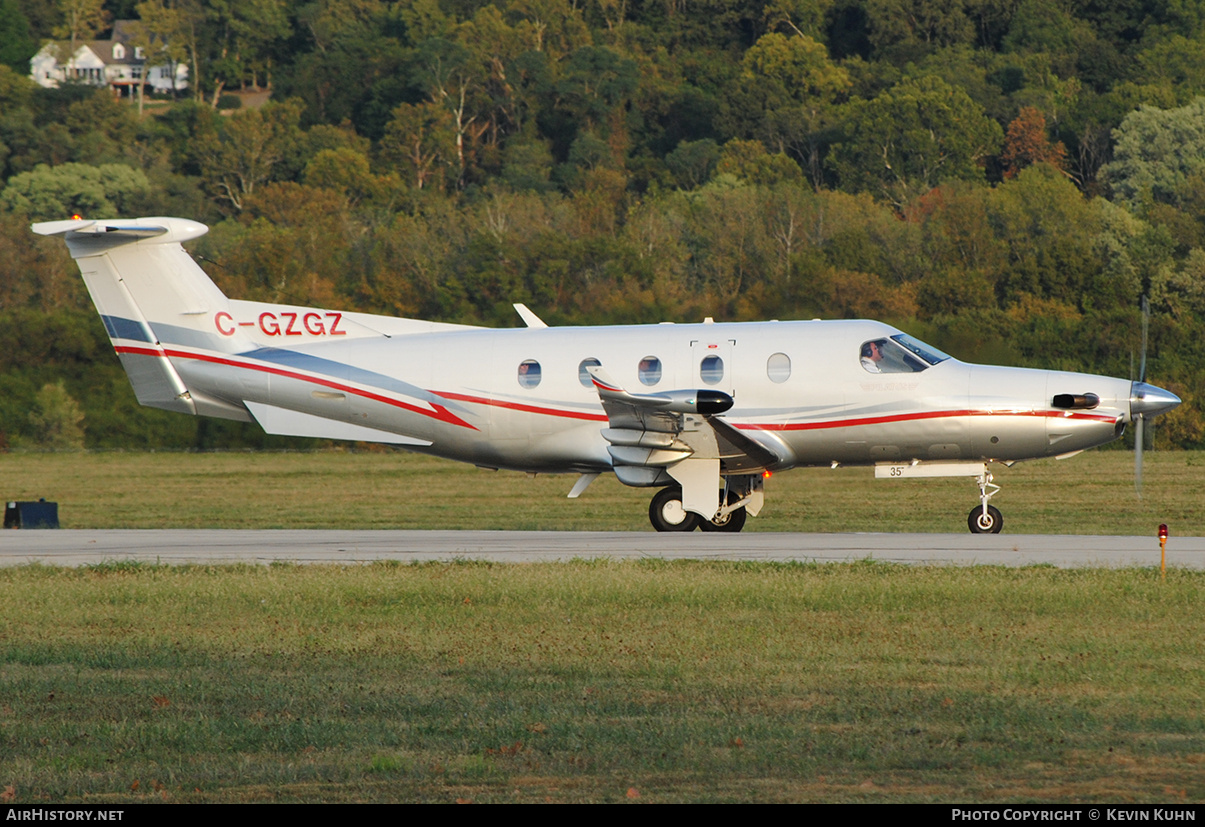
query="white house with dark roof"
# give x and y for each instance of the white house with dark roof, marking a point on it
(113, 63)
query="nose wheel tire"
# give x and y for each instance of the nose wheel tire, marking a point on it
(667, 514)
(979, 523)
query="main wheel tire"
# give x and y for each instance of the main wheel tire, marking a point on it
(667, 514)
(733, 522)
(980, 524)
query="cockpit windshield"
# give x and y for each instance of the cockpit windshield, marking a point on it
(899, 354)
(927, 352)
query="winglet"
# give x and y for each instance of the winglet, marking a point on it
(529, 318)
(603, 381)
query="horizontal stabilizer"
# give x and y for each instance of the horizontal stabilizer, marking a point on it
(84, 235)
(283, 422)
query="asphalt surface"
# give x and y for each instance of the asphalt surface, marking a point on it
(180, 546)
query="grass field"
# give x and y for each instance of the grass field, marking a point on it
(604, 681)
(636, 681)
(1092, 493)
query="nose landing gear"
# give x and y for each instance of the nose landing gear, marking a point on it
(984, 518)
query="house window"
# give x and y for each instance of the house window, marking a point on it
(138, 54)
(119, 51)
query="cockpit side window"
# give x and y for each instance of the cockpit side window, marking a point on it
(886, 356)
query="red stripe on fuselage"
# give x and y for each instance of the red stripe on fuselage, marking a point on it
(438, 412)
(911, 417)
(516, 406)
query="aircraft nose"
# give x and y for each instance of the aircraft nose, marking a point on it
(1148, 400)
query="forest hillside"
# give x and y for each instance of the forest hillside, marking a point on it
(1007, 179)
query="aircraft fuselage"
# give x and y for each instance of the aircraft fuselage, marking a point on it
(798, 388)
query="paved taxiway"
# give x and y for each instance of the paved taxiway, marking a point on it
(83, 547)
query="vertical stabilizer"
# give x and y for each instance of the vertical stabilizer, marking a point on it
(142, 281)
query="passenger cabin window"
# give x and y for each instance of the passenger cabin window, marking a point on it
(778, 368)
(899, 354)
(649, 370)
(711, 370)
(529, 373)
(583, 375)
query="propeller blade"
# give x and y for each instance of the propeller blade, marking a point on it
(1138, 446)
(1146, 323)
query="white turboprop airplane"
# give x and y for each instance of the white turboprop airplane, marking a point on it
(701, 411)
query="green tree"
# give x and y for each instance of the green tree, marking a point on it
(903, 30)
(48, 193)
(693, 162)
(596, 80)
(911, 138)
(1156, 152)
(418, 142)
(246, 32)
(453, 80)
(17, 43)
(56, 421)
(346, 170)
(252, 147)
(1049, 232)
(749, 161)
(791, 87)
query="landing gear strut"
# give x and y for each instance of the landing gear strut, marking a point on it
(984, 518)
(733, 521)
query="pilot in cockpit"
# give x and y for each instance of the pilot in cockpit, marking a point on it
(872, 355)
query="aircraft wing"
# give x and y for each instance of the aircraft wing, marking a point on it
(650, 434)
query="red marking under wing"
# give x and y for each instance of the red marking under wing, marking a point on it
(439, 412)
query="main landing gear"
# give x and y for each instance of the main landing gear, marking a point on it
(667, 514)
